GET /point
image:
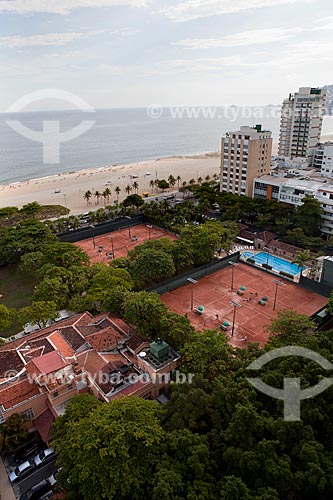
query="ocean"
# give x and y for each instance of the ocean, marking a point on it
(121, 136)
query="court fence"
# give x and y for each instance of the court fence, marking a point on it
(103, 228)
(315, 286)
(196, 273)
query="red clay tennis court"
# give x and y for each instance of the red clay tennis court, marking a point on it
(116, 244)
(214, 293)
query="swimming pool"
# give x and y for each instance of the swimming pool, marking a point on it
(277, 263)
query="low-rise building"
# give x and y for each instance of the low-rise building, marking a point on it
(323, 159)
(292, 190)
(40, 373)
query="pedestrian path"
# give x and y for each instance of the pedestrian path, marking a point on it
(6, 491)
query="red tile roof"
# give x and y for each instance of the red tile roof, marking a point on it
(91, 361)
(44, 423)
(51, 362)
(105, 339)
(15, 393)
(61, 344)
(10, 361)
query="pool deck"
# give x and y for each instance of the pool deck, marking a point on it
(120, 242)
(214, 293)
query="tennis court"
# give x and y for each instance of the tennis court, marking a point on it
(214, 293)
(113, 245)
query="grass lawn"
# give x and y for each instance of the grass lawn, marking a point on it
(16, 290)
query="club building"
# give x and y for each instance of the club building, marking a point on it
(40, 373)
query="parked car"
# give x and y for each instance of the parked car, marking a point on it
(38, 491)
(27, 450)
(43, 456)
(21, 471)
(53, 479)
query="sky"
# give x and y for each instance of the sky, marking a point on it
(135, 53)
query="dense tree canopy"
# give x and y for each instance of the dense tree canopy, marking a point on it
(111, 450)
(218, 438)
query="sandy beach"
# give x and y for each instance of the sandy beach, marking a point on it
(68, 189)
(71, 187)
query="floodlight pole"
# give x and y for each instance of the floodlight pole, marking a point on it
(235, 305)
(192, 281)
(149, 226)
(111, 237)
(277, 284)
(233, 264)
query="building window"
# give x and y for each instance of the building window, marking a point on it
(70, 387)
(28, 414)
(55, 394)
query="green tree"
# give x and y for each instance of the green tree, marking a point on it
(13, 433)
(208, 354)
(52, 289)
(39, 313)
(31, 208)
(117, 191)
(291, 326)
(163, 184)
(133, 200)
(87, 196)
(308, 216)
(152, 265)
(301, 258)
(110, 451)
(7, 317)
(144, 310)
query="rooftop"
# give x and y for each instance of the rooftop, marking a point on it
(49, 363)
(12, 394)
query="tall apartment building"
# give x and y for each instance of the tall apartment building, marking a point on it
(301, 122)
(245, 154)
(323, 159)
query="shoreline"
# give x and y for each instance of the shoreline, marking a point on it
(68, 188)
(108, 167)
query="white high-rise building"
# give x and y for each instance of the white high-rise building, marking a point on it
(301, 122)
(323, 159)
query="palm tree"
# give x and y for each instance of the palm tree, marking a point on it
(301, 259)
(152, 185)
(128, 189)
(171, 180)
(135, 186)
(178, 179)
(106, 194)
(191, 182)
(87, 195)
(97, 195)
(207, 178)
(117, 191)
(200, 179)
(215, 177)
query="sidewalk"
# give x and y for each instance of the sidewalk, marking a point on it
(6, 491)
